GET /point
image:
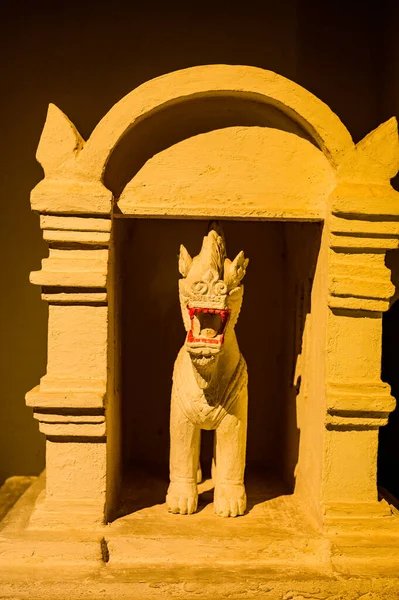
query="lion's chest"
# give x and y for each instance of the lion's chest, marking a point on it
(205, 408)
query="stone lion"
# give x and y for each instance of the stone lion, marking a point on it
(210, 382)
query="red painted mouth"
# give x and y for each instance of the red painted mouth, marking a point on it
(207, 325)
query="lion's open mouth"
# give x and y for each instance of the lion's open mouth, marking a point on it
(207, 325)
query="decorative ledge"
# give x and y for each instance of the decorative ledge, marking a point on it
(360, 404)
(71, 196)
(38, 398)
(58, 222)
(66, 430)
(76, 268)
(361, 200)
(358, 277)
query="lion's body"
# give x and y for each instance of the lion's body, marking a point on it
(209, 381)
(207, 408)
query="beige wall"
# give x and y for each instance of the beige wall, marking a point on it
(86, 57)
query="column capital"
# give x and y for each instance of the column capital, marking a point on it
(359, 280)
(76, 269)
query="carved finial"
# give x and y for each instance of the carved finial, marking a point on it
(376, 157)
(211, 265)
(59, 141)
(216, 226)
(381, 147)
(208, 264)
(213, 253)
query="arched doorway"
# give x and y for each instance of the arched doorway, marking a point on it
(233, 143)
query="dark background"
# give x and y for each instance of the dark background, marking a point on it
(85, 57)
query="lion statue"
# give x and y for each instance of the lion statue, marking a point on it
(210, 381)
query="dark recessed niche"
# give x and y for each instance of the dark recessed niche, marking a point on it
(276, 300)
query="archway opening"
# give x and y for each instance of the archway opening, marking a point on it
(277, 301)
(178, 120)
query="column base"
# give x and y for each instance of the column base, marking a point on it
(58, 515)
(355, 510)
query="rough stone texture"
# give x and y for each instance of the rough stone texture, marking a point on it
(11, 490)
(317, 174)
(209, 174)
(280, 554)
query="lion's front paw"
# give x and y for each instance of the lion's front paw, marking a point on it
(182, 498)
(230, 499)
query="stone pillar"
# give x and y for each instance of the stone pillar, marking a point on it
(358, 402)
(70, 402)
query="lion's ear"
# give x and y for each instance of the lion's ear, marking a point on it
(185, 261)
(235, 270)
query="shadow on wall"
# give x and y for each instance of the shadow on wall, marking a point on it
(301, 251)
(269, 331)
(388, 450)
